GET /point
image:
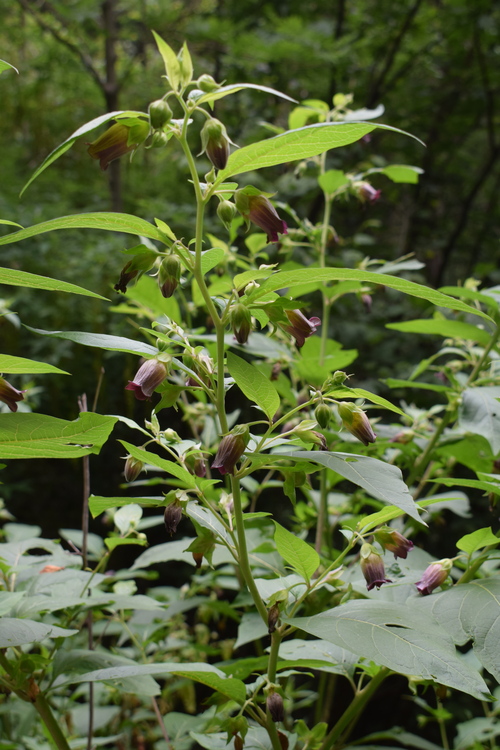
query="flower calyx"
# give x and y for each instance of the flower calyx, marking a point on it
(119, 139)
(393, 541)
(215, 142)
(169, 275)
(241, 322)
(256, 207)
(148, 377)
(301, 327)
(372, 567)
(356, 422)
(434, 576)
(231, 448)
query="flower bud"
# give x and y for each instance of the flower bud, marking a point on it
(322, 415)
(133, 468)
(356, 422)
(273, 615)
(372, 567)
(393, 541)
(215, 142)
(231, 449)
(301, 327)
(198, 558)
(274, 705)
(138, 265)
(169, 275)
(241, 322)
(366, 192)
(207, 84)
(226, 211)
(10, 395)
(149, 376)
(305, 433)
(159, 139)
(159, 113)
(259, 209)
(172, 517)
(434, 576)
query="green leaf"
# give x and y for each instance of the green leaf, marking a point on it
(288, 279)
(20, 365)
(172, 64)
(380, 480)
(404, 639)
(313, 368)
(211, 258)
(297, 553)
(480, 414)
(396, 383)
(11, 223)
(477, 484)
(254, 384)
(168, 466)
(233, 88)
(30, 280)
(186, 65)
(297, 144)
(7, 66)
(14, 632)
(39, 436)
(332, 179)
(117, 541)
(471, 612)
(453, 329)
(63, 147)
(345, 392)
(100, 340)
(402, 173)
(98, 504)
(111, 222)
(477, 540)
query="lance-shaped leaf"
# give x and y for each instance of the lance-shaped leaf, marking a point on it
(169, 467)
(453, 329)
(254, 384)
(19, 365)
(380, 479)
(172, 63)
(233, 88)
(301, 556)
(41, 436)
(30, 280)
(6, 66)
(100, 340)
(15, 632)
(401, 638)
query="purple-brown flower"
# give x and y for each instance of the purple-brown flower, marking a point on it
(434, 576)
(169, 275)
(372, 567)
(10, 395)
(393, 541)
(118, 140)
(148, 377)
(367, 192)
(215, 142)
(241, 323)
(301, 327)
(231, 449)
(356, 422)
(260, 210)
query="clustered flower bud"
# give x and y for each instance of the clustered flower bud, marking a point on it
(372, 567)
(231, 449)
(274, 705)
(241, 323)
(159, 114)
(172, 517)
(133, 468)
(207, 84)
(169, 275)
(301, 327)
(260, 210)
(434, 576)
(149, 376)
(215, 142)
(393, 541)
(356, 422)
(226, 211)
(322, 415)
(10, 395)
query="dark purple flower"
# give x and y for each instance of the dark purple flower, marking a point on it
(434, 576)
(169, 275)
(10, 395)
(367, 192)
(172, 517)
(372, 567)
(231, 449)
(260, 210)
(301, 327)
(393, 541)
(111, 145)
(215, 142)
(148, 377)
(241, 323)
(274, 705)
(133, 468)
(356, 422)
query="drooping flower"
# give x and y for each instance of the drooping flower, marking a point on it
(434, 575)
(372, 567)
(133, 467)
(393, 541)
(172, 517)
(356, 422)
(215, 142)
(169, 275)
(118, 140)
(259, 209)
(10, 395)
(301, 327)
(241, 323)
(148, 377)
(231, 449)
(274, 703)
(366, 192)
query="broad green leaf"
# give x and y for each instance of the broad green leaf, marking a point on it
(391, 512)
(118, 541)
(168, 466)
(477, 484)
(177, 550)
(101, 341)
(297, 144)
(402, 173)
(20, 365)
(477, 540)
(379, 479)
(203, 673)
(313, 368)
(30, 280)
(340, 661)
(471, 612)
(111, 222)
(39, 436)
(464, 293)
(441, 327)
(301, 556)
(172, 64)
(14, 632)
(7, 66)
(288, 279)
(480, 414)
(477, 733)
(63, 147)
(401, 638)
(344, 392)
(211, 258)
(332, 179)
(396, 383)
(233, 88)
(254, 384)
(98, 504)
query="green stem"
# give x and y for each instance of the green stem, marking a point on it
(492, 342)
(48, 718)
(243, 550)
(322, 262)
(273, 655)
(322, 512)
(425, 457)
(352, 714)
